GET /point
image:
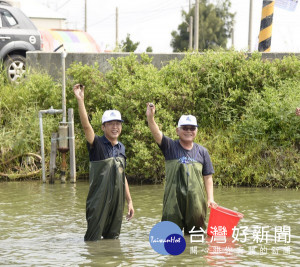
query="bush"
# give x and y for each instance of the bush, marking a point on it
(271, 114)
(244, 106)
(19, 109)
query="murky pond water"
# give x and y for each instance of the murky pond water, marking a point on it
(44, 225)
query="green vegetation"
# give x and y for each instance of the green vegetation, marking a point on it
(245, 108)
(215, 26)
(128, 45)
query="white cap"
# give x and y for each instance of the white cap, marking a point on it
(111, 115)
(187, 120)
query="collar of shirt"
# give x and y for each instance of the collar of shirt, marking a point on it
(106, 141)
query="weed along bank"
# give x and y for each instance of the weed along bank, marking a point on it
(245, 106)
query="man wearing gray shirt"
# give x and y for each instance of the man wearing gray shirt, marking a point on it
(188, 174)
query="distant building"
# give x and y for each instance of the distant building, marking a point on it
(53, 30)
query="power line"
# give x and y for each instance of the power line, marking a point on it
(144, 19)
(102, 20)
(63, 5)
(164, 5)
(150, 17)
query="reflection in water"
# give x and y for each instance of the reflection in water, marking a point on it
(44, 224)
(104, 251)
(222, 253)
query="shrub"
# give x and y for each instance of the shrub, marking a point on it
(244, 106)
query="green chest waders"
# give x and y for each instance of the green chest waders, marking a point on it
(106, 198)
(184, 197)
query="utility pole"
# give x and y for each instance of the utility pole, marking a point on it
(250, 27)
(85, 15)
(191, 33)
(117, 28)
(232, 36)
(196, 36)
(265, 34)
(190, 27)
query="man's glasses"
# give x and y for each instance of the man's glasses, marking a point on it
(186, 128)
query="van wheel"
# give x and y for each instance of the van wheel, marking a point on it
(15, 67)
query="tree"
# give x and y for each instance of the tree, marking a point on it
(215, 26)
(149, 49)
(129, 45)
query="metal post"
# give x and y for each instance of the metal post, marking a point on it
(191, 33)
(63, 62)
(63, 148)
(72, 146)
(42, 147)
(52, 167)
(117, 28)
(63, 167)
(265, 33)
(85, 16)
(250, 27)
(196, 35)
(41, 112)
(232, 36)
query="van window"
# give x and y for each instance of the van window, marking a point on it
(7, 19)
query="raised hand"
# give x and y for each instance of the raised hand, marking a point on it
(150, 110)
(79, 91)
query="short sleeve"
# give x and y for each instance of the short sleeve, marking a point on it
(96, 149)
(207, 166)
(166, 145)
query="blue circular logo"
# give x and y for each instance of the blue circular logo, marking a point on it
(166, 238)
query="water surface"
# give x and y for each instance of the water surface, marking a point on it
(44, 225)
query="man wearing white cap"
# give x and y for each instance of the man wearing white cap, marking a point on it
(108, 184)
(188, 174)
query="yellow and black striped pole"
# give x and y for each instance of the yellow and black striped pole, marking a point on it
(265, 33)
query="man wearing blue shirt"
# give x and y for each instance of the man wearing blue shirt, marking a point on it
(188, 174)
(108, 184)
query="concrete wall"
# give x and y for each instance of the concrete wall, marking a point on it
(51, 62)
